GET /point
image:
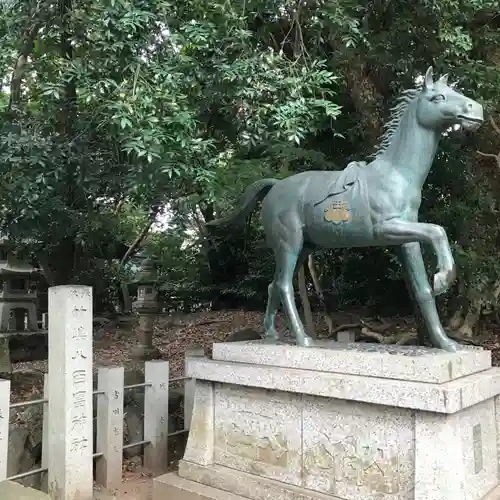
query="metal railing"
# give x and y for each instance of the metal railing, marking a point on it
(170, 434)
(127, 446)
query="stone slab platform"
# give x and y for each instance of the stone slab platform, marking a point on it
(9, 490)
(277, 432)
(448, 397)
(411, 363)
(173, 487)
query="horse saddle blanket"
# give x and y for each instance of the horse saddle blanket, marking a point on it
(341, 181)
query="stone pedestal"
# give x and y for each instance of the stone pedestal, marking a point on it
(341, 422)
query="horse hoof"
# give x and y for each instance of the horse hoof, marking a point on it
(270, 339)
(449, 345)
(305, 342)
(440, 283)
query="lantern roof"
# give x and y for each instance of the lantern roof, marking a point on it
(148, 274)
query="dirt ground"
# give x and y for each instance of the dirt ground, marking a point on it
(173, 335)
(135, 487)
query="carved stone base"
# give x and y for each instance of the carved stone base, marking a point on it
(172, 486)
(315, 428)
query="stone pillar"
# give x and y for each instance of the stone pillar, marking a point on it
(70, 388)
(190, 385)
(145, 350)
(147, 307)
(5, 363)
(4, 427)
(45, 321)
(109, 440)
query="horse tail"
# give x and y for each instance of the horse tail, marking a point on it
(253, 194)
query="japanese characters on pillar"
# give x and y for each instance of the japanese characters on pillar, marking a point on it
(80, 414)
(70, 387)
(110, 427)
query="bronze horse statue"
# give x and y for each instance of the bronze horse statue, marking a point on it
(366, 204)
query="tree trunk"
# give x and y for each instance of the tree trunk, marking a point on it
(153, 213)
(306, 304)
(457, 319)
(127, 300)
(319, 292)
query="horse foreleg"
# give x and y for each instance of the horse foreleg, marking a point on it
(397, 231)
(286, 262)
(413, 261)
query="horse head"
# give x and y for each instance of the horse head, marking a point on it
(440, 107)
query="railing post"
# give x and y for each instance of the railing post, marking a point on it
(70, 386)
(110, 426)
(45, 433)
(156, 377)
(4, 426)
(190, 386)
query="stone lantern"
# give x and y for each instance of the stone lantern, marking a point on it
(147, 307)
(17, 299)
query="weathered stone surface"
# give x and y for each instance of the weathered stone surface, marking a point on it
(200, 445)
(5, 362)
(70, 404)
(456, 455)
(259, 432)
(356, 450)
(175, 487)
(413, 363)
(20, 457)
(265, 432)
(219, 483)
(346, 336)
(449, 397)
(10, 490)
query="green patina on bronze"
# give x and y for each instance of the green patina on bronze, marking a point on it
(372, 203)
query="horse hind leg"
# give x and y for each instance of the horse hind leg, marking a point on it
(286, 262)
(273, 303)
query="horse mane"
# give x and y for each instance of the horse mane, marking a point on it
(392, 125)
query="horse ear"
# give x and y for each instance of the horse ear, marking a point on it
(444, 79)
(428, 81)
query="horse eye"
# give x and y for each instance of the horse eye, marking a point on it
(438, 98)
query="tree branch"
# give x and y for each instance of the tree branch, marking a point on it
(496, 128)
(490, 155)
(155, 209)
(400, 338)
(378, 329)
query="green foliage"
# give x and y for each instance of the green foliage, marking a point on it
(135, 101)
(112, 109)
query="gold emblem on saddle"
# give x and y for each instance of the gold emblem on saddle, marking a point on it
(338, 212)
